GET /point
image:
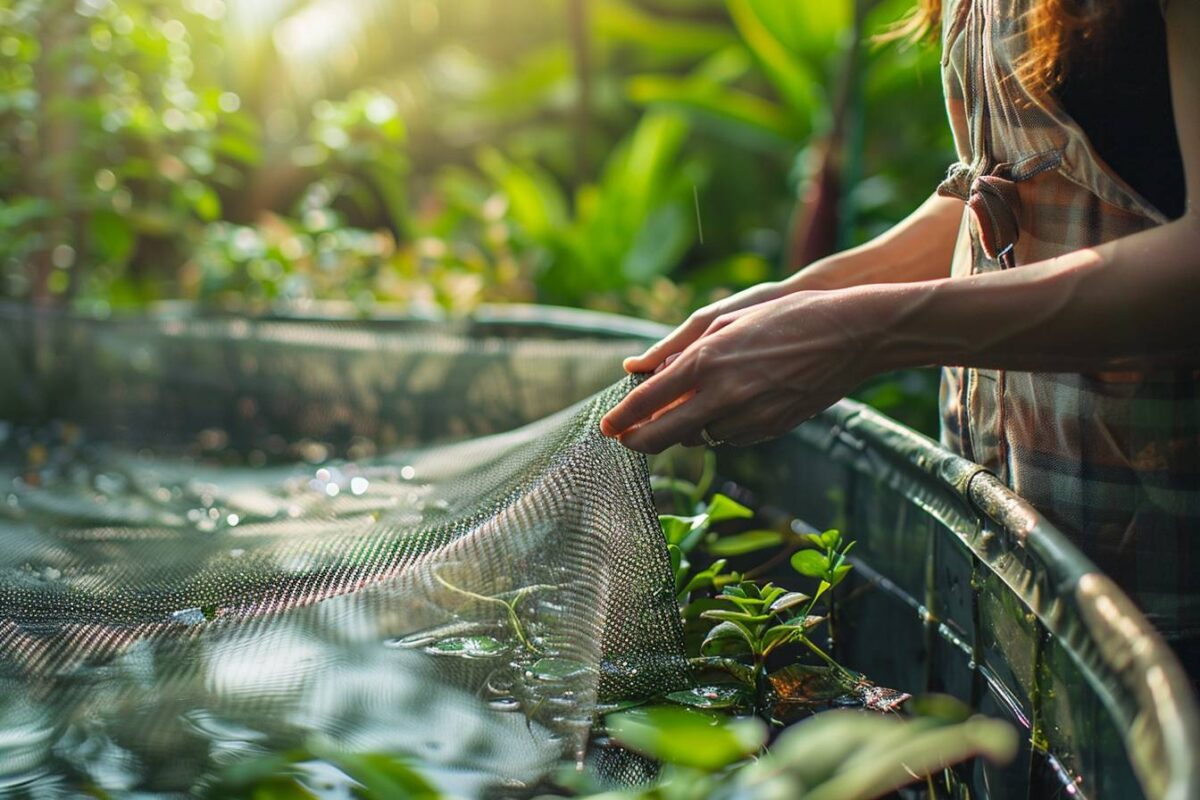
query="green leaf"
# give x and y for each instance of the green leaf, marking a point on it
(664, 237)
(736, 616)
(662, 483)
(468, 647)
(204, 200)
(743, 543)
(113, 236)
(796, 82)
(721, 508)
(384, 776)
(535, 201)
(840, 573)
(831, 538)
(677, 529)
(729, 666)
(789, 600)
(555, 669)
(624, 22)
(723, 696)
(771, 593)
(705, 578)
(810, 563)
(677, 568)
(727, 631)
(686, 737)
(764, 122)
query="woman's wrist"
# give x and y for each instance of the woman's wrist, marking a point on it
(890, 324)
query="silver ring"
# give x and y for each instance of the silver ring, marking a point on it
(708, 439)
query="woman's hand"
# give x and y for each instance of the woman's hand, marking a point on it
(753, 374)
(699, 322)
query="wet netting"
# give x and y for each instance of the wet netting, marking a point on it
(223, 538)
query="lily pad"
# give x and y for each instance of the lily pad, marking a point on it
(711, 697)
(468, 647)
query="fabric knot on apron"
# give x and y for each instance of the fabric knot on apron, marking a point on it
(995, 204)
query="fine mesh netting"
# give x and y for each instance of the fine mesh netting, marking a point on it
(220, 539)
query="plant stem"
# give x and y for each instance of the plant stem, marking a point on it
(842, 671)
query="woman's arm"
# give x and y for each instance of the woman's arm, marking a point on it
(918, 248)
(1129, 303)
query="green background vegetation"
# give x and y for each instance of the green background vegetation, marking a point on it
(639, 156)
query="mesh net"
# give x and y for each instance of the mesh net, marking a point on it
(225, 538)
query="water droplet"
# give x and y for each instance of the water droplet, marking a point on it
(323, 474)
(332, 489)
(408, 473)
(233, 520)
(358, 486)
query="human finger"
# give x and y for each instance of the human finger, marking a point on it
(675, 342)
(656, 394)
(676, 425)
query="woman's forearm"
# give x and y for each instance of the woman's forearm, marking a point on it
(918, 248)
(1132, 303)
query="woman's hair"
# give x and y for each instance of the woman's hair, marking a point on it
(1055, 29)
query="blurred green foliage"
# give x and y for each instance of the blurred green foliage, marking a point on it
(640, 156)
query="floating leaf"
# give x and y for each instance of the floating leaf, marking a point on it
(468, 647)
(725, 696)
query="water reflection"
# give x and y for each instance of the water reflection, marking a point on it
(161, 620)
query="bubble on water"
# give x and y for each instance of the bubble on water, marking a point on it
(51, 574)
(408, 473)
(323, 474)
(332, 489)
(233, 520)
(359, 486)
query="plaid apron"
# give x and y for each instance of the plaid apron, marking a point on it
(1113, 459)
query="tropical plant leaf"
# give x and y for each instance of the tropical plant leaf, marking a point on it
(687, 737)
(743, 543)
(727, 631)
(787, 601)
(722, 508)
(810, 563)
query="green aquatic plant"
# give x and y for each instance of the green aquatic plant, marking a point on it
(763, 619)
(684, 533)
(508, 601)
